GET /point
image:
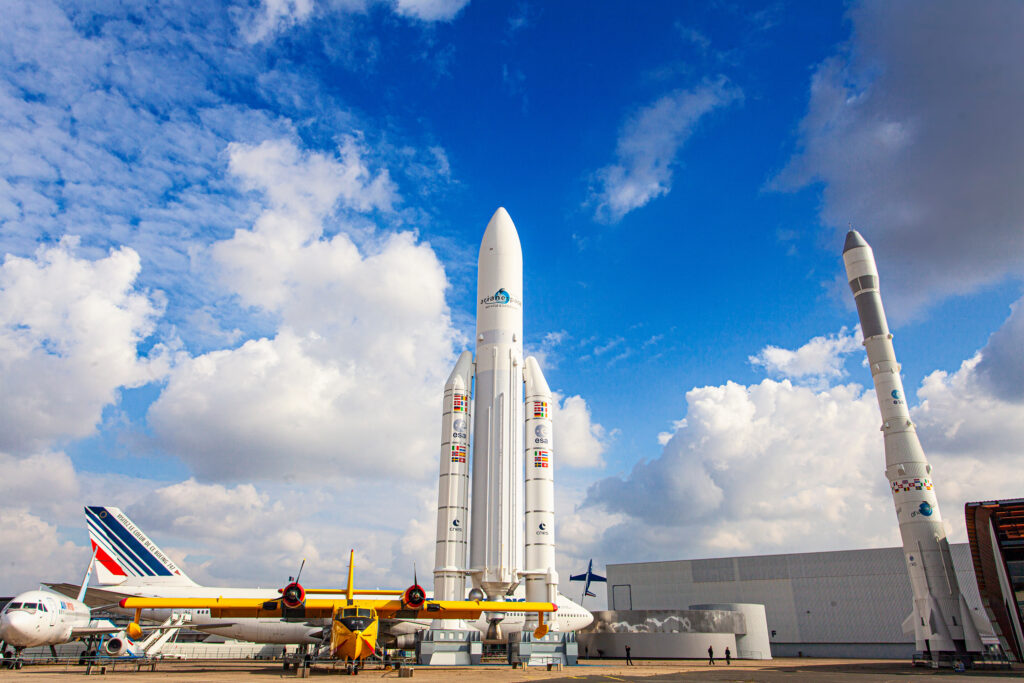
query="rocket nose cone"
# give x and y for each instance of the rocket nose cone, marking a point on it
(500, 215)
(501, 236)
(853, 240)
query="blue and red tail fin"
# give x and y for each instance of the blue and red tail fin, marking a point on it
(125, 554)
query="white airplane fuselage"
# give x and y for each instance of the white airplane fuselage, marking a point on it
(37, 618)
(571, 616)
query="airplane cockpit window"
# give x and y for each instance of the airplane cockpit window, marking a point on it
(12, 605)
(355, 619)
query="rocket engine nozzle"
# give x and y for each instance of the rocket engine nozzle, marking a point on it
(494, 633)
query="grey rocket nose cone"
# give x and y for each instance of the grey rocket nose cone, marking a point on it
(853, 240)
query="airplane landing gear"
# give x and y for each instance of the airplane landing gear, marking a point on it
(13, 660)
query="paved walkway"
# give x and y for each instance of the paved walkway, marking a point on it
(775, 671)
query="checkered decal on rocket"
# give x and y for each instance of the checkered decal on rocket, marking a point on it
(459, 403)
(458, 454)
(541, 458)
(540, 409)
(915, 484)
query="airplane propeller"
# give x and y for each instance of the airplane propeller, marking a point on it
(293, 595)
(414, 595)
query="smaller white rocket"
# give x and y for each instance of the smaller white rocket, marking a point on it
(940, 620)
(500, 406)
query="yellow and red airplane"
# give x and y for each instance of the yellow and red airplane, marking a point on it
(354, 621)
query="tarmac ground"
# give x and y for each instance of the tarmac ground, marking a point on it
(646, 671)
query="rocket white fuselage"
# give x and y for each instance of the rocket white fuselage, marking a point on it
(510, 520)
(496, 542)
(940, 619)
(453, 487)
(541, 579)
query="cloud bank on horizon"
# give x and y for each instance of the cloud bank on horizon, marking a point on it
(227, 293)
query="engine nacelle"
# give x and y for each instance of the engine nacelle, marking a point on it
(117, 646)
(414, 597)
(406, 641)
(293, 595)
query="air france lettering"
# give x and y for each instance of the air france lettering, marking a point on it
(146, 543)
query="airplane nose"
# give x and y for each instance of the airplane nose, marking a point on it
(15, 627)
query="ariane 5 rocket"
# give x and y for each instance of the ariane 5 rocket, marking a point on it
(500, 405)
(940, 620)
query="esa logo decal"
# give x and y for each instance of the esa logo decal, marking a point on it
(542, 529)
(459, 429)
(925, 509)
(897, 397)
(541, 434)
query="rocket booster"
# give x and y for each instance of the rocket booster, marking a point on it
(453, 489)
(940, 620)
(541, 579)
(494, 424)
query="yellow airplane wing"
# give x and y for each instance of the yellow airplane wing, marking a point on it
(237, 608)
(293, 604)
(324, 607)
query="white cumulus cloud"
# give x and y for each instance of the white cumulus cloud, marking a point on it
(351, 382)
(758, 466)
(276, 15)
(430, 10)
(70, 330)
(579, 441)
(816, 362)
(29, 544)
(780, 467)
(649, 145)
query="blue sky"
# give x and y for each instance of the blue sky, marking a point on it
(240, 245)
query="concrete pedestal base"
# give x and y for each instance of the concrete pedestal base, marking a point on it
(554, 648)
(448, 647)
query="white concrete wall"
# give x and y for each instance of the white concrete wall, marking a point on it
(828, 600)
(655, 645)
(754, 643)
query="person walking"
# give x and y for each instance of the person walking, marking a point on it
(629, 660)
(728, 657)
(711, 655)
